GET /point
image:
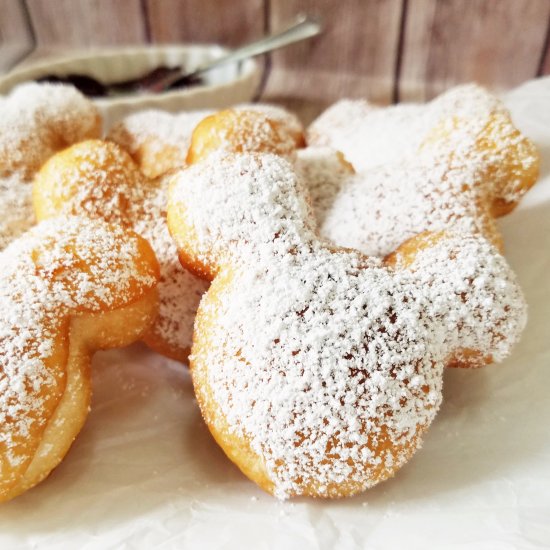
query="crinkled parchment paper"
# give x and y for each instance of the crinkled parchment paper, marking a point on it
(145, 473)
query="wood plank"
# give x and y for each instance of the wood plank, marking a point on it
(10, 55)
(15, 34)
(87, 22)
(494, 42)
(53, 53)
(355, 56)
(228, 23)
(544, 68)
(545, 65)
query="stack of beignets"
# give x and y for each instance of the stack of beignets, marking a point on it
(318, 369)
(123, 183)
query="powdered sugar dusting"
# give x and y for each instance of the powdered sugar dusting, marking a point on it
(59, 268)
(179, 291)
(157, 140)
(242, 130)
(286, 119)
(326, 172)
(223, 219)
(165, 128)
(461, 155)
(37, 120)
(328, 363)
(40, 119)
(104, 183)
(16, 212)
(376, 210)
(370, 136)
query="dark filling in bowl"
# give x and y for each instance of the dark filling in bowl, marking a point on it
(92, 87)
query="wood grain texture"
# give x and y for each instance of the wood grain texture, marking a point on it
(228, 23)
(87, 22)
(15, 34)
(494, 42)
(544, 68)
(40, 53)
(355, 56)
(429, 45)
(545, 65)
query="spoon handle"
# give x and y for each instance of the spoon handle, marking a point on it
(305, 27)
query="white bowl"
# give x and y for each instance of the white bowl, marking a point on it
(224, 86)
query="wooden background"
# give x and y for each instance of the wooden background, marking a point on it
(387, 50)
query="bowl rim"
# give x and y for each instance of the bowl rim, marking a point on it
(249, 69)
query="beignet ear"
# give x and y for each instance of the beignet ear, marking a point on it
(473, 293)
(94, 178)
(241, 131)
(478, 129)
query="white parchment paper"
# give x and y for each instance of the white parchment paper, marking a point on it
(145, 473)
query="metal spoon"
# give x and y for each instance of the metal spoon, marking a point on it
(304, 27)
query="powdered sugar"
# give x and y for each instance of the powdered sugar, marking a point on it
(461, 156)
(369, 135)
(285, 118)
(326, 172)
(162, 127)
(158, 141)
(58, 269)
(37, 120)
(239, 213)
(327, 363)
(101, 181)
(376, 210)
(16, 212)
(242, 130)
(179, 291)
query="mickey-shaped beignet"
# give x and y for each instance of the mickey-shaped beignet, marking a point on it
(37, 120)
(68, 287)
(100, 180)
(318, 369)
(464, 165)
